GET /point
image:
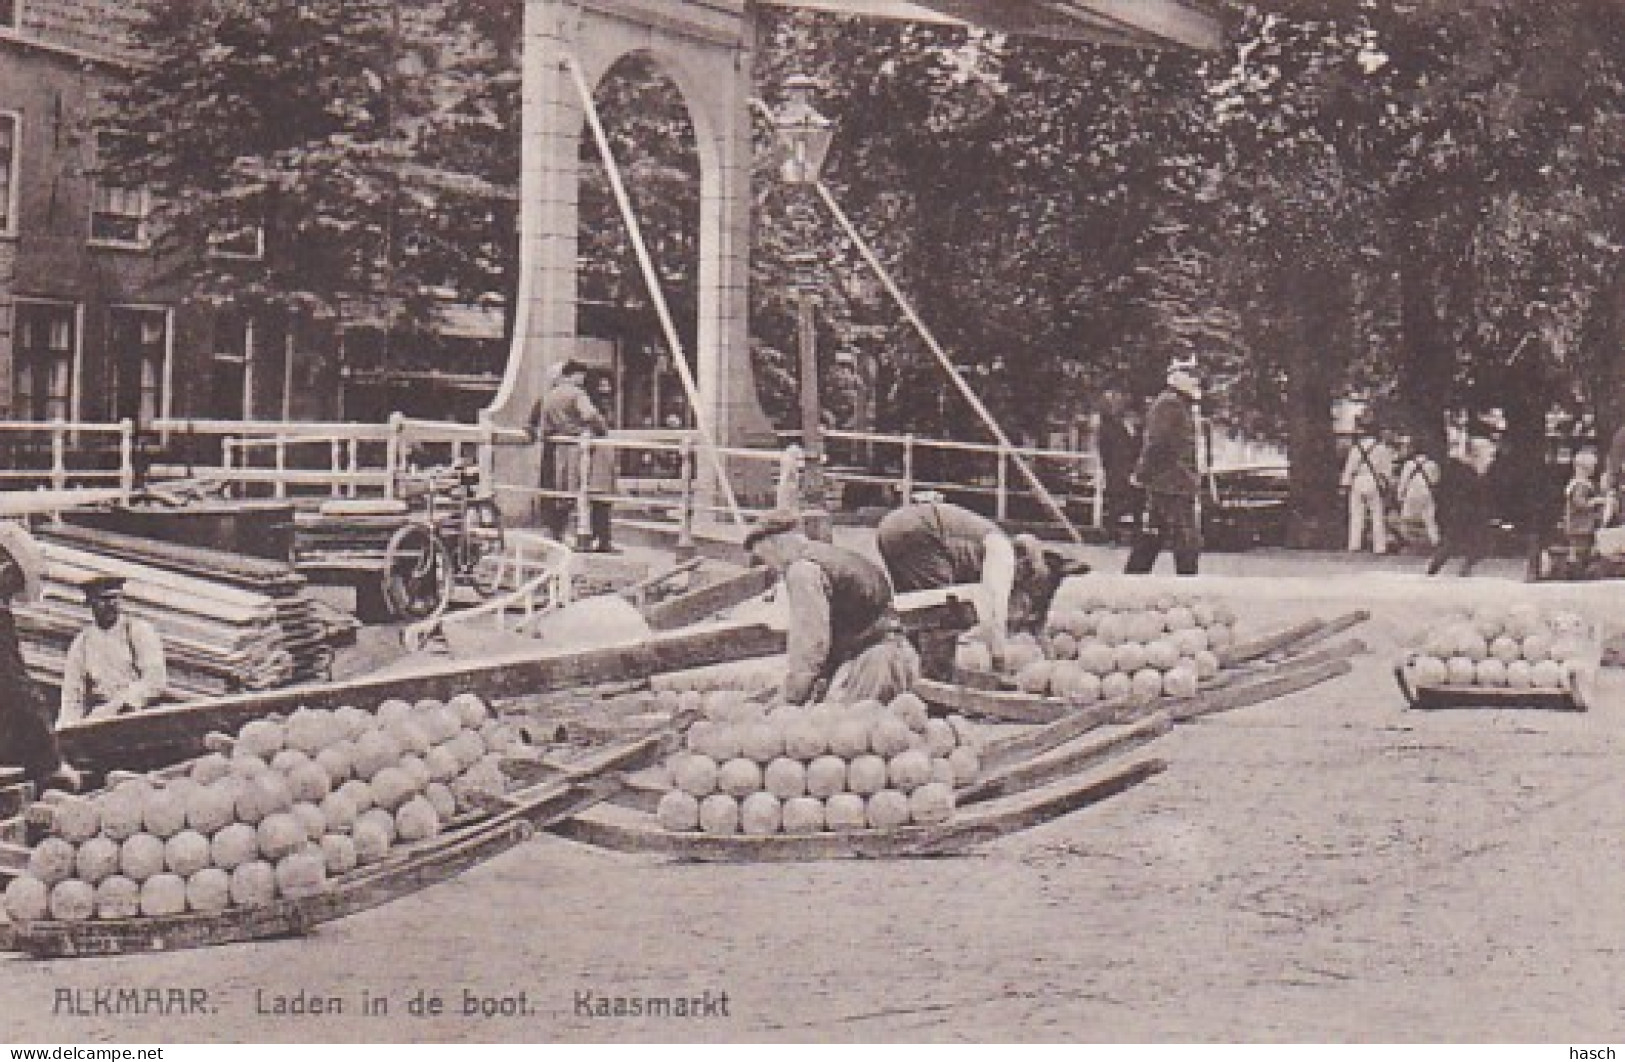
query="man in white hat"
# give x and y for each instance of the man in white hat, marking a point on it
(26, 738)
(846, 643)
(116, 664)
(1167, 473)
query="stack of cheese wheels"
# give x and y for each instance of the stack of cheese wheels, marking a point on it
(296, 803)
(828, 767)
(1094, 648)
(1520, 646)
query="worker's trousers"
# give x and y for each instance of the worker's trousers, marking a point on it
(1365, 503)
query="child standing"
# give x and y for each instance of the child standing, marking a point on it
(1584, 506)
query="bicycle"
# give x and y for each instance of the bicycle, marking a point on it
(457, 538)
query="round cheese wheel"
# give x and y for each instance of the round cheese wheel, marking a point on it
(76, 819)
(866, 775)
(97, 860)
(887, 810)
(761, 815)
(695, 774)
(826, 776)
(931, 804)
(73, 900)
(785, 778)
(186, 853)
(719, 814)
(678, 812)
(211, 768)
(803, 815)
(164, 814)
(52, 860)
(338, 852)
(208, 891)
(163, 895)
(118, 897)
(845, 812)
(233, 846)
(739, 777)
(141, 857)
(28, 899)
(253, 884)
(907, 771)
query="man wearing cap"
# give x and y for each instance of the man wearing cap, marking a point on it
(116, 664)
(565, 411)
(1167, 472)
(26, 738)
(931, 544)
(845, 641)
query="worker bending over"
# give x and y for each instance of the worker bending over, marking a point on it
(931, 545)
(845, 641)
(116, 664)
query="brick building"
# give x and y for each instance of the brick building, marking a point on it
(87, 331)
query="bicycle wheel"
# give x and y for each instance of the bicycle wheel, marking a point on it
(487, 546)
(417, 573)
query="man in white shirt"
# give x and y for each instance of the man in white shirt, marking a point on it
(116, 664)
(1366, 476)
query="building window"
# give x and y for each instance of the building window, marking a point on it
(118, 213)
(138, 349)
(11, 14)
(10, 125)
(247, 242)
(42, 363)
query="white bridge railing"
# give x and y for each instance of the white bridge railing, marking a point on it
(60, 454)
(659, 471)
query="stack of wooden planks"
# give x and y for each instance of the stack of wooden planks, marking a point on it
(229, 622)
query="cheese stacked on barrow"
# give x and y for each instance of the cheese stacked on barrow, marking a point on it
(1095, 648)
(1518, 647)
(294, 804)
(810, 770)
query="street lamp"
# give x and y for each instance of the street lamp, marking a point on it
(804, 138)
(804, 135)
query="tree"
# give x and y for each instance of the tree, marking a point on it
(294, 118)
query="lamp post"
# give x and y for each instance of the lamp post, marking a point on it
(804, 138)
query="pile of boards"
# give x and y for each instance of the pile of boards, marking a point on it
(229, 622)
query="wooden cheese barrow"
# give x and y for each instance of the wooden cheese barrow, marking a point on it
(471, 840)
(1576, 695)
(1261, 669)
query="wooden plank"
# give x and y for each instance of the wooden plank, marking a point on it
(1290, 681)
(626, 831)
(1002, 705)
(1328, 630)
(690, 608)
(1253, 649)
(1016, 748)
(1069, 759)
(161, 736)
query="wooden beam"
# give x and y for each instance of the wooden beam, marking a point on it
(162, 736)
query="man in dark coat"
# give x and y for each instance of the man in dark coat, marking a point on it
(1118, 449)
(1168, 474)
(931, 545)
(565, 411)
(1466, 507)
(27, 739)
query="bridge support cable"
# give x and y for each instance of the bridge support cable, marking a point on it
(657, 294)
(963, 386)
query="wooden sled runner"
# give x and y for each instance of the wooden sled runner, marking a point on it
(626, 830)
